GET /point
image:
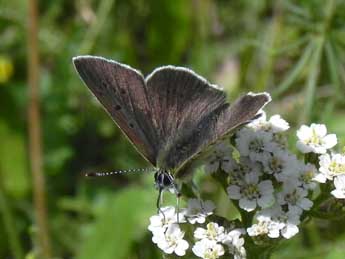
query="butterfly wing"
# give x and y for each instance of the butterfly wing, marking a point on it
(180, 100)
(122, 92)
(213, 128)
(172, 115)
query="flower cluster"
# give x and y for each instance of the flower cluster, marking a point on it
(167, 233)
(210, 242)
(277, 185)
(272, 188)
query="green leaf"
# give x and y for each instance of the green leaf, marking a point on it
(336, 250)
(122, 218)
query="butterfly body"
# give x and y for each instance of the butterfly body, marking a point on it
(171, 116)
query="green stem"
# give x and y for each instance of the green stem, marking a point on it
(10, 226)
(35, 131)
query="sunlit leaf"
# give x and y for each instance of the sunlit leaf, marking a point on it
(13, 161)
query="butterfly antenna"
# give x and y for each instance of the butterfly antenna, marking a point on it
(135, 170)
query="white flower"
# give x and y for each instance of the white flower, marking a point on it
(245, 166)
(330, 166)
(260, 122)
(208, 249)
(280, 162)
(295, 197)
(219, 158)
(278, 124)
(275, 124)
(281, 140)
(290, 228)
(287, 221)
(307, 174)
(166, 217)
(213, 232)
(300, 174)
(197, 210)
(339, 183)
(315, 139)
(265, 226)
(235, 243)
(251, 192)
(255, 144)
(171, 240)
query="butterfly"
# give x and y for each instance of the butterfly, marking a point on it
(171, 116)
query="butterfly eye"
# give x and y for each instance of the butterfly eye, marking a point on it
(117, 107)
(166, 180)
(131, 125)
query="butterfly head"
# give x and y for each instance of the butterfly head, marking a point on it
(163, 179)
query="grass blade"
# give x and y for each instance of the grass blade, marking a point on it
(295, 72)
(333, 68)
(312, 80)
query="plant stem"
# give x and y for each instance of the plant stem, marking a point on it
(10, 226)
(34, 126)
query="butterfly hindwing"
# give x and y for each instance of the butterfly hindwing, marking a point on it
(212, 129)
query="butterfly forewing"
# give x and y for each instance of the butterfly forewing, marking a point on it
(121, 90)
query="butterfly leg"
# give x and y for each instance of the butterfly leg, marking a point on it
(159, 202)
(178, 196)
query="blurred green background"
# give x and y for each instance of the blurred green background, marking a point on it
(293, 49)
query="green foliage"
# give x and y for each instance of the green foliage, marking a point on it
(293, 49)
(118, 222)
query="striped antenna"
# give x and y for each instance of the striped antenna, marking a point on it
(135, 170)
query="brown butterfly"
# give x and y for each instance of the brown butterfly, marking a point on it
(171, 116)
